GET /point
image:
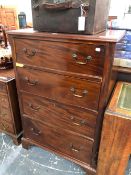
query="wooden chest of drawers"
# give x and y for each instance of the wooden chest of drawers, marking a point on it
(64, 82)
(10, 121)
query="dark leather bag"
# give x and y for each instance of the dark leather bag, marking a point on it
(62, 15)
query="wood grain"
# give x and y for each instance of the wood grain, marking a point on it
(7, 73)
(108, 36)
(115, 147)
(10, 121)
(5, 113)
(59, 81)
(58, 87)
(72, 145)
(62, 54)
(6, 126)
(77, 120)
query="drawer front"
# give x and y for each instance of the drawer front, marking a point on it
(77, 120)
(64, 89)
(6, 126)
(4, 101)
(70, 57)
(2, 88)
(5, 113)
(58, 140)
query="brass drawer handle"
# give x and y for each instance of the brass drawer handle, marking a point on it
(33, 108)
(86, 59)
(4, 126)
(74, 149)
(84, 92)
(29, 53)
(35, 132)
(82, 122)
(31, 82)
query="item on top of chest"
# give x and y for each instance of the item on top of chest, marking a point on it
(70, 16)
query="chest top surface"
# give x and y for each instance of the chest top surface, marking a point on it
(6, 75)
(106, 36)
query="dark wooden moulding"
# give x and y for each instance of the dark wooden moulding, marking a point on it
(64, 83)
(10, 120)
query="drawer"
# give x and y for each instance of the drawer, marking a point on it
(58, 140)
(6, 126)
(4, 101)
(75, 119)
(5, 113)
(3, 88)
(69, 57)
(64, 89)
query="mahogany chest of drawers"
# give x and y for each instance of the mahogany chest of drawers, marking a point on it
(10, 121)
(64, 82)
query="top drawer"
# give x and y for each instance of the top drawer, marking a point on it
(64, 56)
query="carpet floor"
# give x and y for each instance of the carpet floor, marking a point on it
(14, 160)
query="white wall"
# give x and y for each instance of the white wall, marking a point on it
(25, 6)
(8, 2)
(119, 7)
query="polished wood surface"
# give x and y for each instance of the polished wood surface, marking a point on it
(71, 57)
(9, 73)
(48, 111)
(6, 127)
(115, 147)
(76, 147)
(53, 84)
(5, 112)
(108, 36)
(2, 88)
(10, 121)
(66, 89)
